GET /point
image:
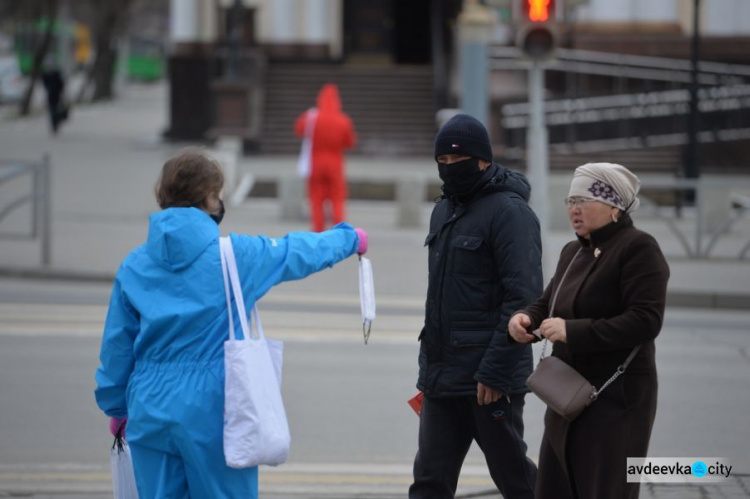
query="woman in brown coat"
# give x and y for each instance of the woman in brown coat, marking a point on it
(610, 301)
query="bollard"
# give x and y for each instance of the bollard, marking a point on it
(410, 193)
(228, 152)
(292, 198)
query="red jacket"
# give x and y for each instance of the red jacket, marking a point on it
(333, 132)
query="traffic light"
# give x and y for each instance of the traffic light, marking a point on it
(538, 32)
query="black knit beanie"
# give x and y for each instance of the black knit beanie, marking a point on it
(464, 135)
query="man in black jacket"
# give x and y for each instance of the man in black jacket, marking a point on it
(484, 264)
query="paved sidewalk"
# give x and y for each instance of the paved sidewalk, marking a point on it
(106, 160)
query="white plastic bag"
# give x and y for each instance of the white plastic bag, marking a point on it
(256, 430)
(304, 161)
(366, 295)
(121, 464)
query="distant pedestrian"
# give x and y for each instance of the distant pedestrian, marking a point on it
(484, 261)
(162, 352)
(611, 285)
(330, 132)
(54, 84)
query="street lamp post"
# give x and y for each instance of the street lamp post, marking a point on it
(235, 36)
(692, 166)
(537, 39)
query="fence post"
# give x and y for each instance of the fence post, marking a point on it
(44, 208)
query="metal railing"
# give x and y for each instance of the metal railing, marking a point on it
(624, 66)
(740, 206)
(632, 121)
(38, 198)
(647, 112)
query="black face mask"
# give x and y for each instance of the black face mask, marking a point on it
(460, 178)
(218, 216)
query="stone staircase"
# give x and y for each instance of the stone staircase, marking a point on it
(391, 106)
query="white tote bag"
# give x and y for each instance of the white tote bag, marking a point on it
(304, 161)
(256, 430)
(121, 465)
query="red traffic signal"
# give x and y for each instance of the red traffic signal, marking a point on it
(539, 11)
(538, 32)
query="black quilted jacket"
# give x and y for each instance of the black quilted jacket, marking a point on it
(484, 264)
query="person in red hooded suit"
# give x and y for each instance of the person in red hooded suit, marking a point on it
(332, 132)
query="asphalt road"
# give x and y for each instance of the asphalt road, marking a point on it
(353, 433)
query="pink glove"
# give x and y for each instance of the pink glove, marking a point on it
(115, 424)
(362, 235)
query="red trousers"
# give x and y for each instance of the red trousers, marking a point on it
(322, 187)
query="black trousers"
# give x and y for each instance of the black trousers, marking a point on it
(447, 427)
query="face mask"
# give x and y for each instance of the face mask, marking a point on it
(460, 177)
(218, 216)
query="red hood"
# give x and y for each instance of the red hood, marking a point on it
(328, 98)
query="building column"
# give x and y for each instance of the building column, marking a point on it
(283, 19)
(183, 21)
(316, 17)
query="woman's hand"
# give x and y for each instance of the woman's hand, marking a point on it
(554, 330)
(517, 328)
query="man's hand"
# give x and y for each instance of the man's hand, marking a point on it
(554, 330)
(517, 328)
(486, 395)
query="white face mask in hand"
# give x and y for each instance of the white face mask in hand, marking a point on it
(366, 295)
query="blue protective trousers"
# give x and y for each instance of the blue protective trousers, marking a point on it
(169, 476)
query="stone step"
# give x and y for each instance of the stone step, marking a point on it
(391, 107)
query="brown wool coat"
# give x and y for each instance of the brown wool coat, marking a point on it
(612, 300)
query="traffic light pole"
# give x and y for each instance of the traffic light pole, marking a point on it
(537, 169)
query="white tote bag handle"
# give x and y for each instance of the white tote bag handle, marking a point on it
(231, 275)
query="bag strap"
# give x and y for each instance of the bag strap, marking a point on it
(554, 297)
(621, 368)
(562, 279)
(310, 119)
(232, 278)
(618, 372)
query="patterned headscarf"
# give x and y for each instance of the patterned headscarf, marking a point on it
(609, 183)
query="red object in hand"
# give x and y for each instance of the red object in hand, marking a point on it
(416, 402)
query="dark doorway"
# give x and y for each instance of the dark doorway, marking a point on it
(387, 31)
(368, 30)
(412, 43)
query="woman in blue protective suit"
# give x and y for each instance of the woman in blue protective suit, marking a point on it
(162, 364)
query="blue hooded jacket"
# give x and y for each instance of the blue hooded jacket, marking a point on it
(162, 348)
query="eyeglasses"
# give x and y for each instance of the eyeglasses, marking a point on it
(578, 202)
